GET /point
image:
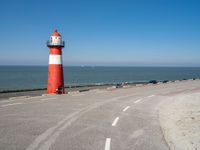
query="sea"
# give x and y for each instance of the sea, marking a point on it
(34, 77)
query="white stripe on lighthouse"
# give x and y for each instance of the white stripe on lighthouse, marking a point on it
(55, 59)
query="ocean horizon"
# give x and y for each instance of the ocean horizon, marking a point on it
(34, 77)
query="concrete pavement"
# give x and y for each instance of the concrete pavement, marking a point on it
(119, 119)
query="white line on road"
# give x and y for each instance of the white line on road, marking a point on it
(151, 96)
(10, 104)
(44, 99)
(48, 138)
(8, 101)
(49, 135)
(115, 121)
(78, 95)
(126, 108)
(137, 101)
(107, 144)
(13, 100)
(34, 97)
(19, 97)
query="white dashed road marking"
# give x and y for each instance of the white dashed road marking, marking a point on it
(126, 108)
(11, 104)
(107, 144)
(151, 96)
(137, 101)
(115, 121)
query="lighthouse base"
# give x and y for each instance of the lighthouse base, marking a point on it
(55, 79)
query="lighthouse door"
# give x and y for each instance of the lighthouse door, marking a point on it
(59, 90)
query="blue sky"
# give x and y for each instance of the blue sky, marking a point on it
(103, 32)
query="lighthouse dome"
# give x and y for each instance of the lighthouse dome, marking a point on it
(55, 33)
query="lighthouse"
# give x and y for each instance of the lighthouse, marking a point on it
(55, 68)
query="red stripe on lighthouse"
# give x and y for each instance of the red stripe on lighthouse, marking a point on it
(55, 51)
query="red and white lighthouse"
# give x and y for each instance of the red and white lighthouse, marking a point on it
(55, 68)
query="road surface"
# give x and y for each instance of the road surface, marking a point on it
(115, 119)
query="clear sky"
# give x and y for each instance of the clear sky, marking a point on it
(102, 32)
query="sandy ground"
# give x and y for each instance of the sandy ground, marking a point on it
(180, 121)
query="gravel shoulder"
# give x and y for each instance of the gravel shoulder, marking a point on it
(180, 121)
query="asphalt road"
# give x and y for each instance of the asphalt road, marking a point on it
(118, 119)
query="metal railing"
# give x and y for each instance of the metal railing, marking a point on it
(49, 44)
